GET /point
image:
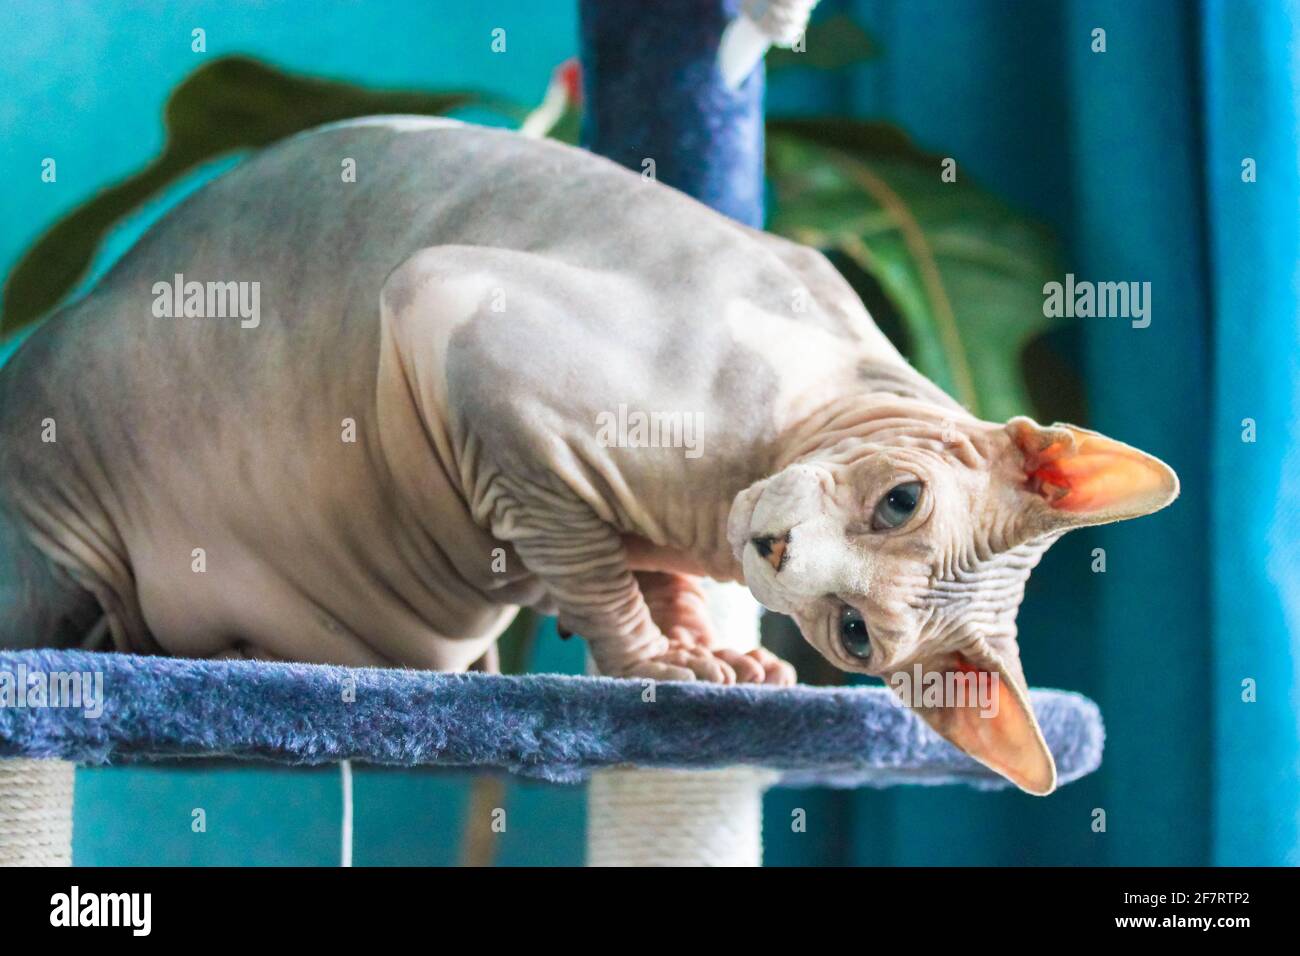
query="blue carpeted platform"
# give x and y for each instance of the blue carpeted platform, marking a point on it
(548, 727)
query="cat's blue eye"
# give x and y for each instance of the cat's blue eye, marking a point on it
(853, 633)
(897, 506)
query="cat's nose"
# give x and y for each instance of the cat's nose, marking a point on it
(773, 548)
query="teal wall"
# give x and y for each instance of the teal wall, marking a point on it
(85, 80)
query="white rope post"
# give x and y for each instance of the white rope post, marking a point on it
(36, 812)
(657, 817)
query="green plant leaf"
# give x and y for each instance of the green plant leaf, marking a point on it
(963, 269)
(230, 104)
(829, 44)
(568, 129)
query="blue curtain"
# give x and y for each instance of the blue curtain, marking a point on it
(1252, 110)
(1135, 157)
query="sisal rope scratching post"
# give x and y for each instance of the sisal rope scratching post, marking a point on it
(661, 817)
(655, 98)
(675, 817)
(36, 812)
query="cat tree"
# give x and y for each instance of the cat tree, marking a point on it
(547, 727)
(676, 779)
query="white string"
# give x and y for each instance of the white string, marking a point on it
(345, 773)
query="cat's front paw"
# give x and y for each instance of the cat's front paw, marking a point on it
(685, 659)
(678, 606)
(688, 660)
(759, 666)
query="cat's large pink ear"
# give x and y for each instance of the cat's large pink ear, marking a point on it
(1085, 478)
(977, 701)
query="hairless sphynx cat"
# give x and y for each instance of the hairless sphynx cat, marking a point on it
(409, 436)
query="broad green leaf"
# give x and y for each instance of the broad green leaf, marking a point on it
(964, 271)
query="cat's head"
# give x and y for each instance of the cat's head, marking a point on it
(909, 543)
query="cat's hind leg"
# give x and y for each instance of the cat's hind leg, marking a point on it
(40, 604)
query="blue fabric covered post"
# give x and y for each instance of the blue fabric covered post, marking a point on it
(652, 91)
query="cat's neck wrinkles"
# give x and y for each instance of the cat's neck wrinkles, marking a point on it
(894, 403)
(865, 418)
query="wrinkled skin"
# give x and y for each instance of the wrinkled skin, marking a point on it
(941, 589)
(468, 310)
